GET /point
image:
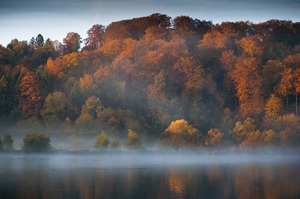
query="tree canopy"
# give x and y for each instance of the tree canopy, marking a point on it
(155, 76)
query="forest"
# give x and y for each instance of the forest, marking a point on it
(182, 82)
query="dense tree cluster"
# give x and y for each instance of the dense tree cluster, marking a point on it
(234, 82)
(35, 142)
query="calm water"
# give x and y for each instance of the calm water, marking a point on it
(143, 176)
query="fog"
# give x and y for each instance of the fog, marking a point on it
(144, 160)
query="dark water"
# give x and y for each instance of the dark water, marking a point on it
(143, 176)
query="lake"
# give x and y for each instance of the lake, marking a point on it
(150, 176)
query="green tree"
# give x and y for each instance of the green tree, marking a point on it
(8, 143)
(22, 52)
(39, 40)
(7, 56)
(102, 141)
(34, 142)
(55, 106)
(92, 106)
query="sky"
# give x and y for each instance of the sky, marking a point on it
(24, 19)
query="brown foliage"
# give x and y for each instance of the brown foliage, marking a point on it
(215, 137)
(30, 99)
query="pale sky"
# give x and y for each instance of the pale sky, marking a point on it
(23, 19)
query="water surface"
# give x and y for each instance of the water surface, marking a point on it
(150, 176)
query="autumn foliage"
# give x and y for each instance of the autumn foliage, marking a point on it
(181, 134)
(162, 78)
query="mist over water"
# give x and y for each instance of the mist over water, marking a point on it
(177, 174)
(152, 159)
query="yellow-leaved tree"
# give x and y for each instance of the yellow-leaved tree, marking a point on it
(273, 107)
(181, 134)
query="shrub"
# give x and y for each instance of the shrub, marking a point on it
(181, 134)
(241, 130)
(8, 143)
(115, 143)
(215, 137)
(36, 142)
(133, 139)
(288, 128)
(85, 121)
(101, 141)
(1, 145)
(259, 138)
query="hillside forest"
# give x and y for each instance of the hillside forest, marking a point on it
(182, 82)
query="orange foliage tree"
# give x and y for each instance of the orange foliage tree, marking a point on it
(248, 82)
(215, 137)
(258, 138)
(290, 84)
(30, 99)
(252, 46)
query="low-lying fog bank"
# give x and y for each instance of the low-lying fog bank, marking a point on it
(150, 159)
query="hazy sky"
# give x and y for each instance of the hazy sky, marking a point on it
(23, 19)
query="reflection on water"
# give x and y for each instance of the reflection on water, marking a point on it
(85, 177)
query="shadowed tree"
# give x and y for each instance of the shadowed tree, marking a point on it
(7, 143)
(55, 106)
(272, 75)
(95, 37)
(290, 84)
(135, 28)
(71, 42)
(3, 94)
(39, 40)
(34, 142)
(7, 56)
(1, 145)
